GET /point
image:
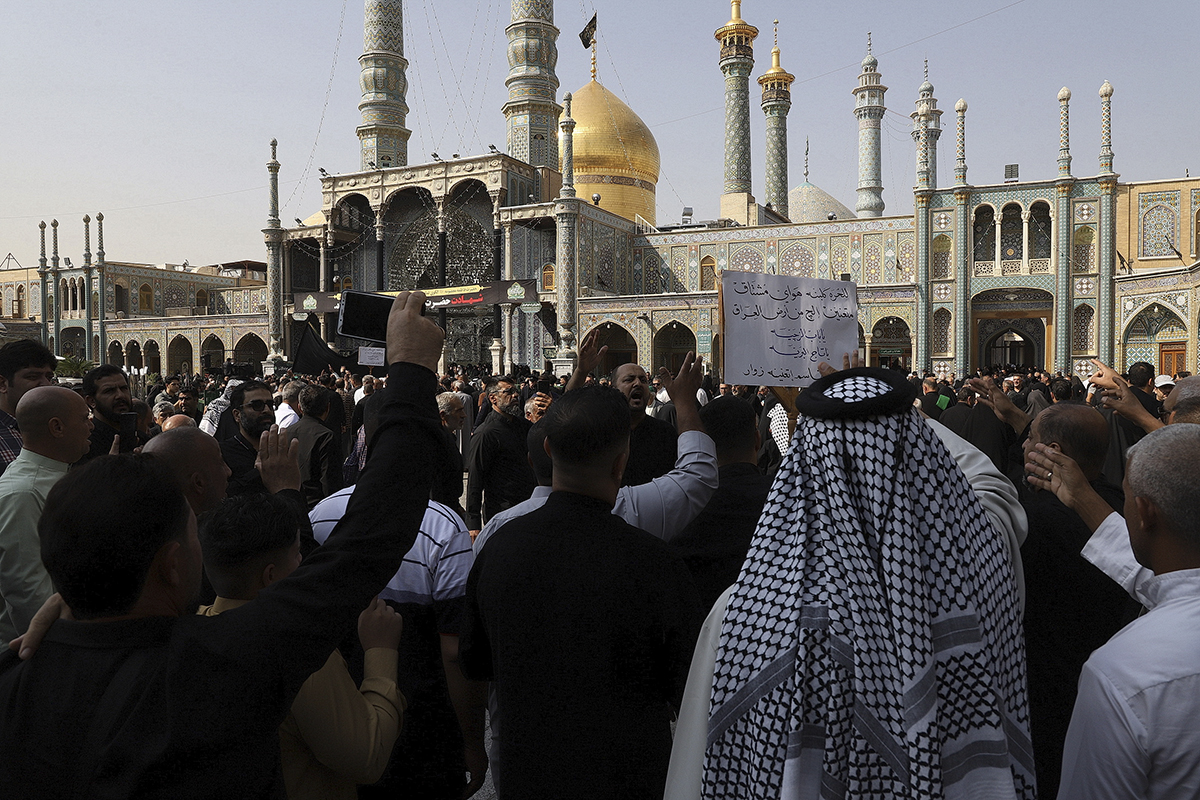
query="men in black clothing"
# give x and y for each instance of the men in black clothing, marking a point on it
(652, 442)
(189, 403)
(1071, 607)
(106, 390)
(254, 415)
(584, 624)
(135, 695)
(498, 473)
(714, 544)
(320, 457)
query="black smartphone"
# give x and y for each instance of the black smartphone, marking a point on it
(364, 315)
(128, 432)
(544, 387)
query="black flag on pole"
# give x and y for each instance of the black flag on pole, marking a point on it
(588, 34)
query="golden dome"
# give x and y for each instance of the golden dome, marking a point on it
(615, 153)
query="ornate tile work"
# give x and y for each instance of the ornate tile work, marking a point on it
(943, 256)
(679, 269)
(798, 259)
(840, 260)
(1158, 213)
(1083, 249)
(651, 264)
(874, 261)
(748, 258)
(889, 259)
(942, 291)
(1083, 334)
(176, 294)
(941, 331)
(907, 257)
(1085, 287)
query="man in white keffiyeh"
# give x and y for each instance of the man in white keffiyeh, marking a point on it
(872, 645)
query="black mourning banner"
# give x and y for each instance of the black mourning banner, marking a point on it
(588, 34)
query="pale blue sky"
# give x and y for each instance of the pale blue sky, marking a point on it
(159, 113)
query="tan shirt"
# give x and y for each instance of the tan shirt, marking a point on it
(337, 734)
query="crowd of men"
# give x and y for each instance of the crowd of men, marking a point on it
(643, 585)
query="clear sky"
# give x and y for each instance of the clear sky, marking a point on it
(159, 113)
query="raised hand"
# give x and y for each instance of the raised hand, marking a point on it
(1104, 376)
(412, 337)
(278, 461)
(687, 382)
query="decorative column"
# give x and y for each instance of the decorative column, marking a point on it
(509, 310)
(1108, 231)
(869, 108)
(497, 346)
(382, 137)
(927, 128)
(273, 235)
(101, 286)
(88, 349)
(737, 60)
(962, 268)
(1025, 242)
(566, 215)
(776, 102)
(531, 110)
(43, 317)
(1062, 220)
(921, 212)
(960, 165)
(58, 299)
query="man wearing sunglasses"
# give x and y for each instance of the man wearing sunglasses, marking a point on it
(254, 415)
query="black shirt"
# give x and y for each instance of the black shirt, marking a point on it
(240, 456)
(498, 471)
(586, 625)
(653, 447)
(714, 544)
(190, 706)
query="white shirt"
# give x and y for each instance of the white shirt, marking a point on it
(1134, 731)
(1109, 549)
(663, 507)
(285, 415)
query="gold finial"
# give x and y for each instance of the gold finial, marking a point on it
(735, 9)
(593, 58)
(806, 159)
(777, 33)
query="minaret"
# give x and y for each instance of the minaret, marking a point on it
(101, 283)
(927, 128)
(737, 60)
(58, 298)
(869, 108)
(566, 219)
(86, 300)
(960, 165)
(1106, 153)
(531, 110)
(776, 101)
(382, 136)
(42, 274)
(1064, 132)
(273, 235)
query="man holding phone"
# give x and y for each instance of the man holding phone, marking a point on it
(106, 390)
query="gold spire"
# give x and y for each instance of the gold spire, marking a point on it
(593, 57)
(737, 31)
(776, 77)
(735, 11)
(775, 67)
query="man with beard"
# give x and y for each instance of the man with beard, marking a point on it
(252, 411)
(106, 390)
(652, 441)
(24, 365)
(498, 472)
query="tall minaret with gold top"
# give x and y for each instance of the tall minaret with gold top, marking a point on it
(737, 60)
(776, 102)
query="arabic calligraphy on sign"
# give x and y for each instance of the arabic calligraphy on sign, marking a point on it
(778, 328)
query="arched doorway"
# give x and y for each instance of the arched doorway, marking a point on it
(622, 349)
(672, 343)
(212, 352)
(891, 344)
(250, 349)
(153, 357)
(74, 342)
(1012, 323)
(133, 355)
(179, 356)
(116, 356)
(1157, 335)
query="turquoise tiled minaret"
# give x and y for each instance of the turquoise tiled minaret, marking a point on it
(737, 60)
(776, 102)
(1063, 188)
(869, 108)
(382, 136)
(531, 110)
(1108, 232)
(927, 128)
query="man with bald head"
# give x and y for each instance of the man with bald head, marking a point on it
(1071, 607)
(195, 458)
(178, 421)
(24, 365)
(55, 424)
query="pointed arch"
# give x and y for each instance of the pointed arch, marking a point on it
(941, 340)
(943, 256)
(708, 274)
